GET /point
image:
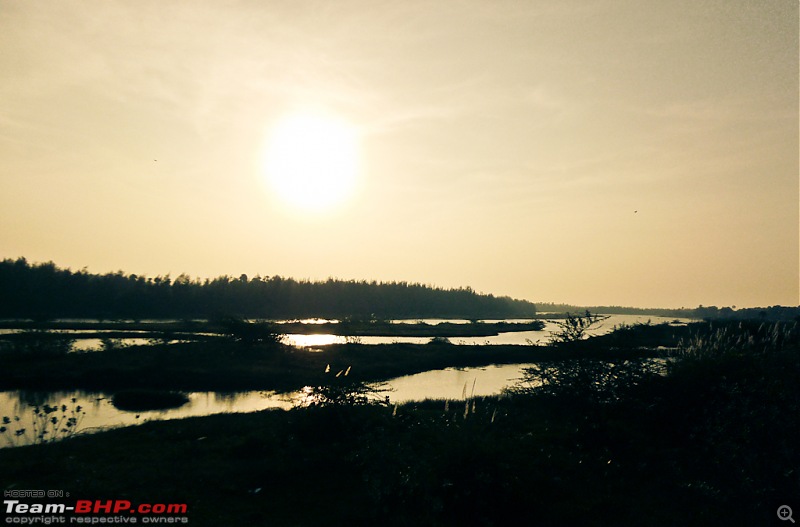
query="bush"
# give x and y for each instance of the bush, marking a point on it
(342, 390)
(574, 327)
(580, 379)
(586, 380)
(143, 400)
(251, 333)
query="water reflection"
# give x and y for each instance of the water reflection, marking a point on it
(433, 321)
(455, 383)
(100, 345)
(520, 338)
(305, 341)
(316, 321)
(314, 341)
(100, 414)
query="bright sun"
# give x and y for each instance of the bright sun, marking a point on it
(311, 160)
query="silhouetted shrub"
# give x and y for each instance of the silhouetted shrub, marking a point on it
(143, 400)
(574, 327)
(586, 380)
(342, 390)
(251, 333)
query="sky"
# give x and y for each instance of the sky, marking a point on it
(593, 152)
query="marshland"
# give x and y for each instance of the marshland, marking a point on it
(592, 426)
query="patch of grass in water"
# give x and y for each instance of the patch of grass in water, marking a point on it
(143, 400)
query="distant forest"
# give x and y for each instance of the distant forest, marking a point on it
(44, 291)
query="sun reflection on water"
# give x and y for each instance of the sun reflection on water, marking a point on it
(306, 341)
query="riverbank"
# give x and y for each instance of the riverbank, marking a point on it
(223, 364)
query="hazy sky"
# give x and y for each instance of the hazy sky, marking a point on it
(592, 152)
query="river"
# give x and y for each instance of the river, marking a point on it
(97, 412)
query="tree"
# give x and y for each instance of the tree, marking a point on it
(582, 379)
(574, 328)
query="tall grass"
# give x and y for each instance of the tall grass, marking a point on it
(731, 340)
(734, 390)
(47, 424)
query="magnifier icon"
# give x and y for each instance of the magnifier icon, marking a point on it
(785, 513)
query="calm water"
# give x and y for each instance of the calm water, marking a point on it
(450, 383)
(315, 341)
(515, 337)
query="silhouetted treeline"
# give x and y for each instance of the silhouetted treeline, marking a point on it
(772, 314)
(45, 291)
(550, 307)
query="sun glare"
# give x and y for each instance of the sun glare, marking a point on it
(311, 160)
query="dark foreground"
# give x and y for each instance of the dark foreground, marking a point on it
(714, 442)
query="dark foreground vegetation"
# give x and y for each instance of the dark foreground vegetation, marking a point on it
(712, 440)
